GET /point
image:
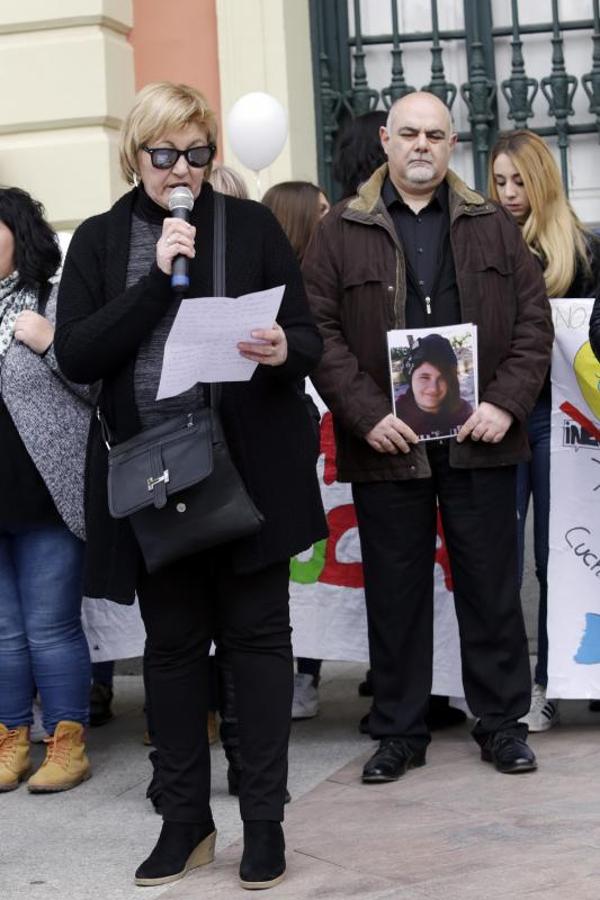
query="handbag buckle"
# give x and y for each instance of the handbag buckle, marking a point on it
(161, 479)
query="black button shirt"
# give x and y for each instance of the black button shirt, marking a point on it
(425, 238)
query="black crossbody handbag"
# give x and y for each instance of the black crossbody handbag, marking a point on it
(176, 482)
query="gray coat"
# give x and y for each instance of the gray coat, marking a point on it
(52, 417)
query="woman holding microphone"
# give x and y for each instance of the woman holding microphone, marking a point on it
(116, 308)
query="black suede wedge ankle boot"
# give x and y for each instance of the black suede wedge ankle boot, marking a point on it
(181, 846)
(263, 859)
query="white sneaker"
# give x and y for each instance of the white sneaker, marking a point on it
(543, 713)
(305, 704)
(37, 732)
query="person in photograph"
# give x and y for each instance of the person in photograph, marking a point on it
(115, 311)
(432, 405)
(417, 248)
(525, 179)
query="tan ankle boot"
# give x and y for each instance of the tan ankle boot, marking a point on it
(15, 761)
(66, 764)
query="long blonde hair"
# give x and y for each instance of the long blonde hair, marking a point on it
(552, 230)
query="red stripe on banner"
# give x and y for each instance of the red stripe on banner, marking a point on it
(343, 574)
(441, 555)
(582, 420)
(328, 448)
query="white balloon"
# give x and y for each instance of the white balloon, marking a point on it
(257, 129)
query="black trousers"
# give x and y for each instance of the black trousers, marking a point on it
(184, 606)
(397, 527)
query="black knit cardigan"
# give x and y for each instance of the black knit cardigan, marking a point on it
(100, 326)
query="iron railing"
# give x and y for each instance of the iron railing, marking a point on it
(342, 86)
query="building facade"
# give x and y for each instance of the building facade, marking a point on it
(72, 68)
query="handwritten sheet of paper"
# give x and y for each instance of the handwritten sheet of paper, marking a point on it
(202, 343)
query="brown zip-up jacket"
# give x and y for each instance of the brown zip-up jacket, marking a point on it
(354, 272)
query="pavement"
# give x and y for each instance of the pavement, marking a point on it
(454, 829)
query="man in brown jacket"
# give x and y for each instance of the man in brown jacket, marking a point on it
(417, 248)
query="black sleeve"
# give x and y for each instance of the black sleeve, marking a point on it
(303, 339)
(94, 339)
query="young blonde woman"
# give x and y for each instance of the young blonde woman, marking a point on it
(525, 179)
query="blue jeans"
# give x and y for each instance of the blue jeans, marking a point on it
(41, 639)
(533, 479)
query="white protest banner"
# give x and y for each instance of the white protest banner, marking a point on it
(574, 564)
(327, 600)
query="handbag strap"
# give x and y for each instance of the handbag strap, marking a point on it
(105, 430)
(218, 271)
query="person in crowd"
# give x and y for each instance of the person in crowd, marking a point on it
(298, 206)
(227, 181)
(43, 432)
(418, 248)
(432, 405)
(357, 153)
(116, 308)
(525, 180)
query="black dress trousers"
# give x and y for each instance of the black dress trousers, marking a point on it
(184, 606)
(397, 527)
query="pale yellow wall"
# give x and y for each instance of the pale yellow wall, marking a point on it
(71, 71)
(68, 73)
(264, 45)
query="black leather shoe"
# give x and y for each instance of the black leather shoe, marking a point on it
(263, 859)
(391, 761)
(511, 755)
(181, 846)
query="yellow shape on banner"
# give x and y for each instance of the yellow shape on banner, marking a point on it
(587, 372)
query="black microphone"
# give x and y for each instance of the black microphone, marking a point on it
(181, 203)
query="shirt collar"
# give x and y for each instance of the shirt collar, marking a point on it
(390, 195)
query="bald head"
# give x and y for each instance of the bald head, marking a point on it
(418, 139)
(417, 103)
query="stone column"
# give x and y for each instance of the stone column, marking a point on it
(68, 82)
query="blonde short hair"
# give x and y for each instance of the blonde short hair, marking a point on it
(157, 109)
(227, 181)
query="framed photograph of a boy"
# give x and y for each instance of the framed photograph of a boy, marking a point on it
(434, 378)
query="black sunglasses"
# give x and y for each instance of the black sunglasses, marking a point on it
(166, 157)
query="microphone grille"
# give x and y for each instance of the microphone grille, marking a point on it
(181, 197)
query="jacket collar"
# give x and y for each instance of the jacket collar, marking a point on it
(368, 206)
